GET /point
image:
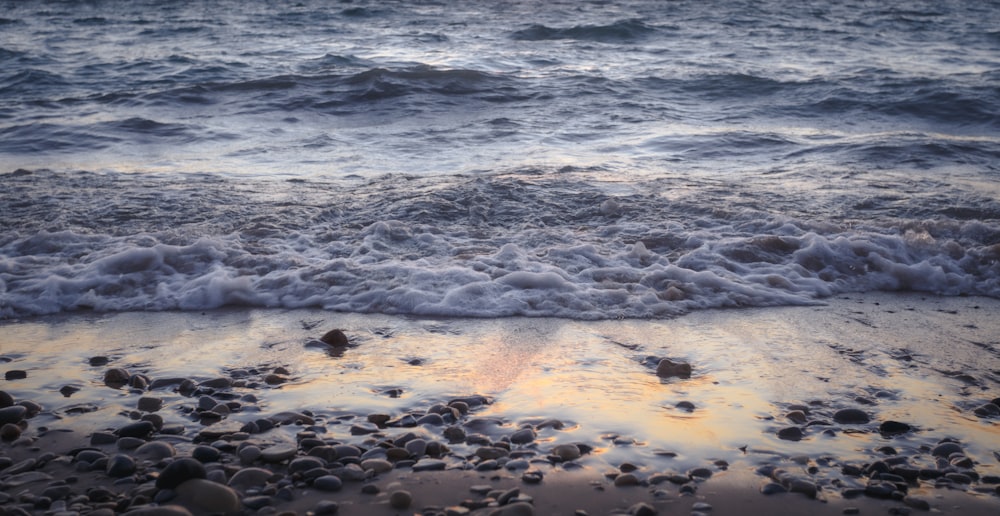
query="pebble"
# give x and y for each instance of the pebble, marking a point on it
(376, 465)
(893, 428)
(178, 472)
(10, 432)
(667, 368)
(15, 374)
(162, 510)
(567, 452)
(851, 416)
(208, 496)
(250, 477)
(792, 433)
(400, 499)
(149, 404)
(205, 454)
(326, 508)
(154, 450)
(278, 453)
(257, 502)
(116, 377)
(120, 466)
(946, 448)
(12, 414)
(416, 447)
(429, 465)
(328, 483)
(626, 479)
(129, 443)
(515, 509)
(248, 454)
(523, 436)
(140, 429)
(642, 509)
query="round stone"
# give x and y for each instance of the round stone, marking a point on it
(248, 454)
(400, 500)
(120, 466)
(250, 477)
(149, 404)
(416, 447)
(626, 479)
(376, 465)
(116, 377)
(278, 453)
(15, 374)
(12, 414)
(792, 433)
(851, 416)
(305, 464)
(667, 368)
(523, 436)
(178, 472)
(328, 483)
(139, 429)
(10, 432)
(945, 449)
(204, 453)
(893, 428)
(208, 496)
(566, 452)
(155, 450)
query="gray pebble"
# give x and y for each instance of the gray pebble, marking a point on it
(120, 466)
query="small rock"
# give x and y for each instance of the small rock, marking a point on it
(890, 428)
(139, 429)
(773, 488)
(329, 483)
(205, 454)
(278, 453)
(851, 416)
(120, 466)
(642, 509)
(250, 477)
(217, 383)
(796, 416)
(987, 410)
(567, 452)
(685, 406)
(429, 465)
(917, 503)
(12, 414)
(400, 499)
(10, 432)
(523, 436)
(667, 368)
(15, 374)
(116, 377)
(376, 465)
(792, 433)
(416, 447)
(68, 390)
(208, 496)
(701, 506)
(326, 508)
(946, 448)
(335, 338)
(626, 479)
(155, 450)
(178, 472)
(515, 509)
(248, 454)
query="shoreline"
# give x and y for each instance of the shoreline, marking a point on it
(722, 433)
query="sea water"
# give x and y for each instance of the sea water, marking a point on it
(587, 160)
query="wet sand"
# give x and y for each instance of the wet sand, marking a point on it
(762, 409)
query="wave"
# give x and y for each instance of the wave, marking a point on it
(503, 245)
(618, 32)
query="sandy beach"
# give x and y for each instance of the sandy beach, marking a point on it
(870, 404)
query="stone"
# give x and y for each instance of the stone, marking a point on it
(771, 488)
(12, 414)
(491, 452)
(851, 416)
(120, 466)
(326, 508)
(400, 499)
(700, 473)
(248, 454)
(68, 390)
(567, 452)
(792, 433)
(6, 399)
(376, 465)
(686, 406)
(250, 477)
(15, 374)
(278, 453)
(429, 465)
(217, 383)
(335, 338)
(987, 410)
(155, 451)
(149, 510)
(204, 454)
(642, 509)
(300, 464)
(116, 377)
(667, 368)
(946, 448)
(10, 432)
(129, 443)
(328, 483)
(346, 450)
(178, 472)
(626, 479)
(257, 502)
(796, 416)
(416, 448)
(804, 487)
(701, 506)
(139, 429)
(523, 436)
(916, 503)
(102, 438)
(890, 428)
(207, 496)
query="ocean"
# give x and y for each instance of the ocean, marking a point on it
(573, 159)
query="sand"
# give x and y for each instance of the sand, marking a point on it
(924, 361)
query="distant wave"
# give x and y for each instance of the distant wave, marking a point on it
(620, 31)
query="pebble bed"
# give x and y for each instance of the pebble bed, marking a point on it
(199, 459)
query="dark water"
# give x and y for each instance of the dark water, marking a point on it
(573, 159)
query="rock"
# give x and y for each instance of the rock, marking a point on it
(667, 368)
(376, 465)
(946, 448)
(890, 428)
(102, 438)
(10, 432)
(161, 510)
(429, 465)
(491, 452)
(454, 434)
(416, 448)
(328, 483)
(917, 503)
(533, 476)
(207, 496)
(205, 454)
(987, 410)
(15, 374)
(851, 416)
(287, 418)
(12, 414)
(120, 466)
(701, 506)
(567, 452)
(217, 383)
(626, 479)
(257, 502)
(250, 477)
(139, 429)
(116, 377)
(278, 453)
(346, 450)
(68, 390)
(400, 499)
(642, 509)
(178, 472)
(248, 454)
(803, 486)
(523, 436)
(6, 399)
(792, 433)
(796, 416)
(771, 488)
(686, 406)
(155, 451)
(335, 338)
(300, 464)
(700, 473)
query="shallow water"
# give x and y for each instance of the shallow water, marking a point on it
(882, 354)
(585, 160)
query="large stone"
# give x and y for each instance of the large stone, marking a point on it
(120, 466)
(328, 483)
(851, 416)
(250, 477)
(207, 496)
(12, 414)
(178, 472)
(667, 368)
(278, 453)
(567, 452)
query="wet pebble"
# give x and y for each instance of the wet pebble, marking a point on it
(15, 374)
(626, 479)
(12, 414)
(523, 436)
(204, 454)
(139, 429)
(890, 428)
(180, 471)
(120, 465)
(248, 454)
(792, 433)
(278, 453)
(667, 368)
(328, 483)
(155, 450)
(250, 477)
(208, 496)
(851, 416)
(400, 499)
